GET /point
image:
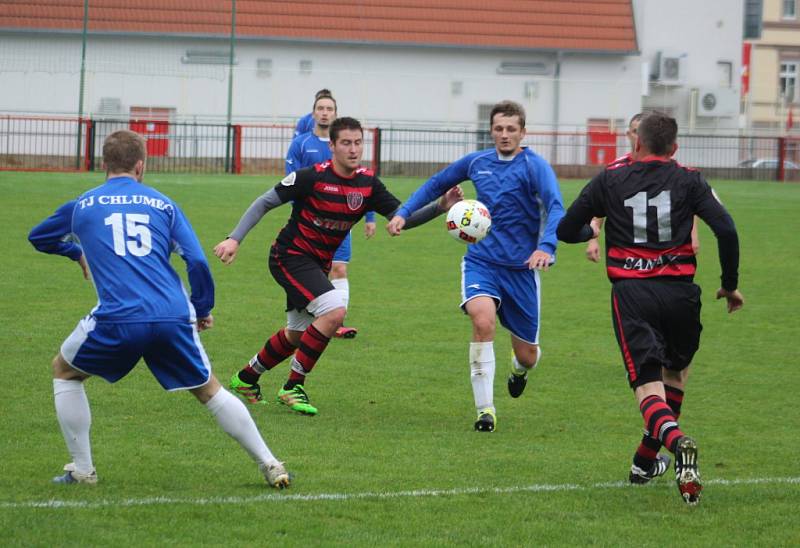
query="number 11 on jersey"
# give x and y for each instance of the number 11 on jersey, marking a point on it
(663, 205)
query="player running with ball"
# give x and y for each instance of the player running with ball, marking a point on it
(500, 274)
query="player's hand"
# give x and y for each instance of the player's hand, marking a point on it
(593, 250)
(540, 260)
(734, 298)
(226, 250)
(451, 198)
(395, 225)
(84, 266)
(369, 230)
(205, 323)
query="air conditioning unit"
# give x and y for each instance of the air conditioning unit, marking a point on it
(669, 68)
(717, 102)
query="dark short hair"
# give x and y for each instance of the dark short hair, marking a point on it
(122, 149)
(635, 118)
(657, 132)
(324, 92)
(344, 123)
(508, 108)
(318, 98)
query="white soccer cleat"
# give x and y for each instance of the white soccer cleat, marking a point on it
(72, 476)
(275, 474)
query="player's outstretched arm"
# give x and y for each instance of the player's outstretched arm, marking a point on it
(205, 323)
(593, 247)
(226, 250)
(734, 298)
(84, 266)
(539, 260)
(396, 225)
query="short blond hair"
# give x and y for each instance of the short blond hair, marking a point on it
(122, 150)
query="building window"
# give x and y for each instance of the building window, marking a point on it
(790, 9)
(725, 73)
(264, 68)
(305, 66)
(752, 19)
(788, 81)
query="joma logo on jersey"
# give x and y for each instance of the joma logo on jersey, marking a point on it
(332, 224)
(355, 200)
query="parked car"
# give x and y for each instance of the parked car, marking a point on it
(767, 163)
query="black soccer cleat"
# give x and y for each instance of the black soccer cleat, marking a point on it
(686, 473)
(516, 384)
(639, 476)
(485, 422)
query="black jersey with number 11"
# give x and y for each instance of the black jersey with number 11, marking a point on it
(649, 207)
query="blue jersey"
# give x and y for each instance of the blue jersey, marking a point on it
(308, 149)
(126, 232)
(304, 124)
(521, 194)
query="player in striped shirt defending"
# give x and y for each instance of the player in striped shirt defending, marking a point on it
(327, 200)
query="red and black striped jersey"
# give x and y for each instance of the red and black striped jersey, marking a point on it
(622, 161)
(649, 207)
(325, 207)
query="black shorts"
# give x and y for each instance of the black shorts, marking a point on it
(301, 277)
(657, 324)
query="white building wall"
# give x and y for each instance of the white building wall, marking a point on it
(379, 84)
(703, 34)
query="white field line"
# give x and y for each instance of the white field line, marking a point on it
(378, 495)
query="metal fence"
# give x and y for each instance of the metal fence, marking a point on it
(39, 143)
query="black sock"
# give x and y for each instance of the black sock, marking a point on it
(248, 377)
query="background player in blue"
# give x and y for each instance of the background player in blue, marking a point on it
(306, 123)
(649, 206)
(312, 148)
(127, 232)
(500, 274)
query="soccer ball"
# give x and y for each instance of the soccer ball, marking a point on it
(469, 221)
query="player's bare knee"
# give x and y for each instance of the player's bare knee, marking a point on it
(62, 370)
(527, 355)
(207, 391)
(675, 378)
(483, 326)
(293, 336)
(336, 316)
(338, 270)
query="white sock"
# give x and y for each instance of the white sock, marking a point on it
(481, 364)
(521, 369)
(344, 285)
(235, 420)
(75, 418)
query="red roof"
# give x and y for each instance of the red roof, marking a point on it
(602, 25)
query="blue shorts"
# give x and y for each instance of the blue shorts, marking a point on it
(172, 351)
(515, 292)
(344, 251)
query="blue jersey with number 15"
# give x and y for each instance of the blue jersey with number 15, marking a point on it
(127, 231)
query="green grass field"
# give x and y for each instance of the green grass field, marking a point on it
(392, 458)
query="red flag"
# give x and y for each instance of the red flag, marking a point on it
(746, 48)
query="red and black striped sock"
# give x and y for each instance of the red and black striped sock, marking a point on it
(660, 421)
(312, 345)
(275, 350)
(674, 399)
(647, 451)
